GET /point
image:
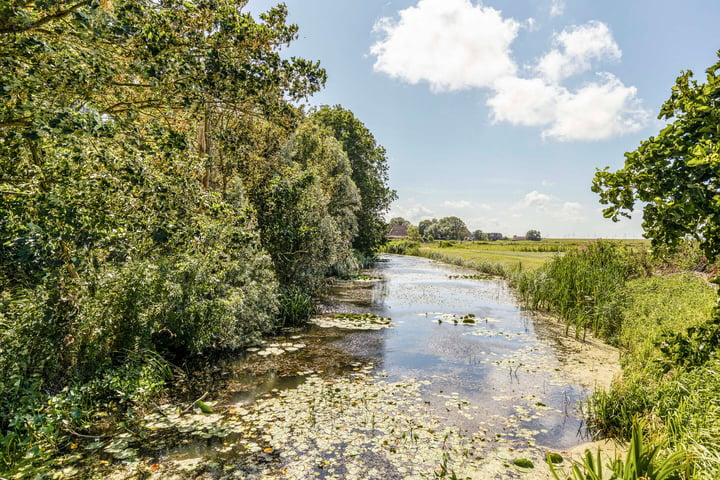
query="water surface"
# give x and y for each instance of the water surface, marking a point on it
(430, 394)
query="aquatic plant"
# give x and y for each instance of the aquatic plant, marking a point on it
(586, 288)
(643, 461)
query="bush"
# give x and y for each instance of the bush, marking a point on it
(402, 247)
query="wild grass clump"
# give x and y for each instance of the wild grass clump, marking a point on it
(402, 247)
(295, 307)
(584, 287)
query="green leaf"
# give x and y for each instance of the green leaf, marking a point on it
(203, 407)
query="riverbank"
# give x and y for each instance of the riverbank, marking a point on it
(660, 313)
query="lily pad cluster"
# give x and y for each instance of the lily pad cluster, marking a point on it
(354, 321)
(276, 348)
(467, 319)
(350, 427)
(475, 276)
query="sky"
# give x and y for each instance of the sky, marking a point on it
(500, 111)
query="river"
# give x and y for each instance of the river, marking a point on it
(415, 370)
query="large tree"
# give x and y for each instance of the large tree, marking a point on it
(447, 228)
(675, 175)
(369, 172)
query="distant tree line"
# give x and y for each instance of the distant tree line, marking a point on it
(450, 228)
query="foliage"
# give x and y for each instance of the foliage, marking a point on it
(673, 397)
(447, 228)
(674, 174)
(642, 462)
(158, 184)
(398, 221)
(295, 307)
(480, 236)
(368, 161)
(585, 287)
(533, 235)
(306, 208)
(402, 247)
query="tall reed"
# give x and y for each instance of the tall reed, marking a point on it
(584, 287)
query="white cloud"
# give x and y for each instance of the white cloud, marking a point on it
(451, 44)
(557, 8)
(536, 199)
(547, 183)
(524, 101)
(454, 44)
(579, 46)
(596, 111)
(457, 204)
(411, 211)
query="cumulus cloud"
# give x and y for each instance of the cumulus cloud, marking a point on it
(455, 44)
(451, 44)
(525, 101)
(578, 47)
(536, 199)
(597, 111)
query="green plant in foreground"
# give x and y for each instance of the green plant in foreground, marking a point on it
(642, 462)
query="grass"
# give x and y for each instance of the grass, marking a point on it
(511, 254)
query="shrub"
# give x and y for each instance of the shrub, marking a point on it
(402, 247)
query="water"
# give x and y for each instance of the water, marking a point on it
(500, 363)
(430, 392)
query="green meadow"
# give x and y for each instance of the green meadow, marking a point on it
(513, 254)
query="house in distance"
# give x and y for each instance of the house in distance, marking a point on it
(398, 232)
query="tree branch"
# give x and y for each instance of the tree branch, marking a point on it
(42, 21)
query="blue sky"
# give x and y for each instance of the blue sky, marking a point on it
(500, 111)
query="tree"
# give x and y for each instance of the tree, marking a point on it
(398, 221)
(480, 236)
(306, 210)
(447, 228)
(369, 172)
(424, 224)
(413, 233)
(533, 235)
(676, 174)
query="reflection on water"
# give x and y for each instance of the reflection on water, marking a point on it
(499, 363)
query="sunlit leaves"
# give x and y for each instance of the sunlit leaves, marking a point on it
(675, 174)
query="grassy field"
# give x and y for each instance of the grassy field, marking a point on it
(511, 254)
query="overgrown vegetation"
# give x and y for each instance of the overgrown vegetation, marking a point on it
(162, 196)
(585, 287)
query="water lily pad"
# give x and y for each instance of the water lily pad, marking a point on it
(555, 458)
(523, 463)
